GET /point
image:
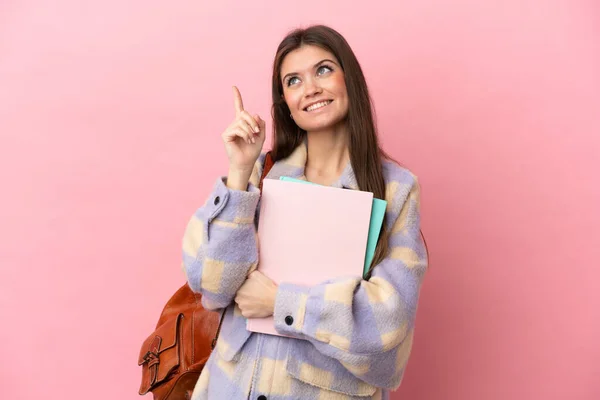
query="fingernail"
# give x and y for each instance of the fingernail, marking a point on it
(253, 140)
(256, 130)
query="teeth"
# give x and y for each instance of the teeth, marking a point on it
(317, 105)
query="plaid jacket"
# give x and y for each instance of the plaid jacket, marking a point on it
(350, 338)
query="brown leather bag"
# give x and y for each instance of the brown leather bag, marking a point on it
(173, 356)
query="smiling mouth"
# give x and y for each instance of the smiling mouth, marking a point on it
(318, 106)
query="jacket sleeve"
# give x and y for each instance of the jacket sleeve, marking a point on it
(367, 325)
(219, 243)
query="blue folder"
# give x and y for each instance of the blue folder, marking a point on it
(377, 214)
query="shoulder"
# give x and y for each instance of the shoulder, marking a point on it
(394, 173)
(400, 183)
(260, 162)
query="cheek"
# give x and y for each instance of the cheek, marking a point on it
(291, 99)
(339, 85)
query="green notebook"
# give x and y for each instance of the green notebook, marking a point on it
(377, 214)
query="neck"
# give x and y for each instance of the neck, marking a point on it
(328, 154)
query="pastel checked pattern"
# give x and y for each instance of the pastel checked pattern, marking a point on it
(350, 338)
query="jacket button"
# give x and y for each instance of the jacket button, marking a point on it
(289, 320)
(217, 200)
(261, 397)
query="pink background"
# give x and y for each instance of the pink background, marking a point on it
(110, 122)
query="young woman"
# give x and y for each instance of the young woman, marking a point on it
(346, 338)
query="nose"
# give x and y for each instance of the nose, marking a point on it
(311, 88)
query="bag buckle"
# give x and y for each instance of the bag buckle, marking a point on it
(151, 356)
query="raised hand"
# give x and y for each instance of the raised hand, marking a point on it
(244, 137)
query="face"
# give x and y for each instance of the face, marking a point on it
(314, 88)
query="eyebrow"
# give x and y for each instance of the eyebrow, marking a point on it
(315, 66)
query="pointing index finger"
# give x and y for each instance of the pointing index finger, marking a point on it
(237, 100)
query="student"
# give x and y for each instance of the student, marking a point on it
(347, 338)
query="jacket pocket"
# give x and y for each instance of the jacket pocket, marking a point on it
(306, 364)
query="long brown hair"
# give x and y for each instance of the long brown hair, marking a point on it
(365, 152)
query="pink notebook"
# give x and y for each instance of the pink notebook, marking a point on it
(308, 234)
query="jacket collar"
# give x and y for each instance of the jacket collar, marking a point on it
(293, 166)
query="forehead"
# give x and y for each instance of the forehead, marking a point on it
(304, 58)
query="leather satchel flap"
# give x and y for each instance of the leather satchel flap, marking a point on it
(159, 355)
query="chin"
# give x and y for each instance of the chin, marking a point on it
(329, 123)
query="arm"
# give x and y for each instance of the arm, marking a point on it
(366, 325)
(219, 243)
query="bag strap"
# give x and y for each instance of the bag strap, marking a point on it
(267, 167)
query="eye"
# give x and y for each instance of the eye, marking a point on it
(324, 69)
(290, 81)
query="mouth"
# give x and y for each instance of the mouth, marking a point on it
(318, 106)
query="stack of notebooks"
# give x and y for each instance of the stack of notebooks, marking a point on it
(308, 233)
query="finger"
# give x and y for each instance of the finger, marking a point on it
(233, 133)
(243, 125)
(252, 122)
(254, 274)
(248, 129)
(262, 124)
(237, 101)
